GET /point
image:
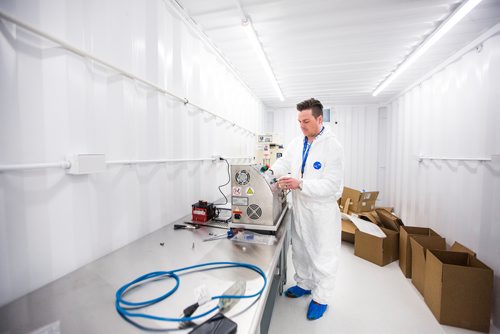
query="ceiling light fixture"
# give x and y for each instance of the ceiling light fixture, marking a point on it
(446, 26)
(250, 31)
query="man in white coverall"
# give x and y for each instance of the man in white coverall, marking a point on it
(312, 168)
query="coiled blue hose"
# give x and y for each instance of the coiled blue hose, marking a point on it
(125, 313)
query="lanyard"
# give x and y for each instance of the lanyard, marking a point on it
(305, 153)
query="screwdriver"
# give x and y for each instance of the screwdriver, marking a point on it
(184, 227)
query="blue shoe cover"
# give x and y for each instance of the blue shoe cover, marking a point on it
(296, 292)
(316, 310)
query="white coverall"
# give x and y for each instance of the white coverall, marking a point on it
(316, 228)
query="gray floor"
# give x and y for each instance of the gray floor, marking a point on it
(368, 299)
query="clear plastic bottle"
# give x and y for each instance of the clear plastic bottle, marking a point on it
(254, 238)
(237, 289)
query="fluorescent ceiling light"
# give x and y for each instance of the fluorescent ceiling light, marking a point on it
(249, 30)
(446, 26)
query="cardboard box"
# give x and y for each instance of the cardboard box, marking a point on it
(405, 247)
(348, 230)
(360, 201)
(381, 251)
(419, 245)
(389, 220)
(374, 217)
(458, 288)
(386, 208)
(370, 216)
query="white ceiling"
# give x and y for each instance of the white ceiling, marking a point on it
(335, 50)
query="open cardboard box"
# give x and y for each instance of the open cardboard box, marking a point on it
(458, 288)
(405, 246)
(373, 216)
(380, 251)
(389, 219)
(348, 230)
(358, 201)
(419, 245)
(370, 216)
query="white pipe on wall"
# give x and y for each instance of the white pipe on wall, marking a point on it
(116, 69)
(420, 159)
(155, 161)
(59, 164)
(66, 164)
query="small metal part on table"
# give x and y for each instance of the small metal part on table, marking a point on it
(229, 234)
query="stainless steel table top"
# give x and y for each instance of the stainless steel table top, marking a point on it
(84, 300)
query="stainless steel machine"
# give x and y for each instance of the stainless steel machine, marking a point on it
(256, 202)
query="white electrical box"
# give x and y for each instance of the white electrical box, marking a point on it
(269, 148)
(86, 163)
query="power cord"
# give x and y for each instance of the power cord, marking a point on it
(123, 306)
(225, 184)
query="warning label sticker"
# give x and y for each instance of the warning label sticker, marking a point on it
(250, 191)
(236, 191)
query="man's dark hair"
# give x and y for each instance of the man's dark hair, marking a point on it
(313, 104)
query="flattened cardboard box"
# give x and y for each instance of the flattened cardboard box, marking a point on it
(386, 208)
(373, 216)
(370, 216)
(458, 289)
(419, 245)
(360, 201)
(380, 251)
(405, 247)
(388, 219)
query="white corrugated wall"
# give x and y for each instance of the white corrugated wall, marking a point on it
(53, 103)
(453, 114)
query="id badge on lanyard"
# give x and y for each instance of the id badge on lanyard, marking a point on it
(305, 153)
